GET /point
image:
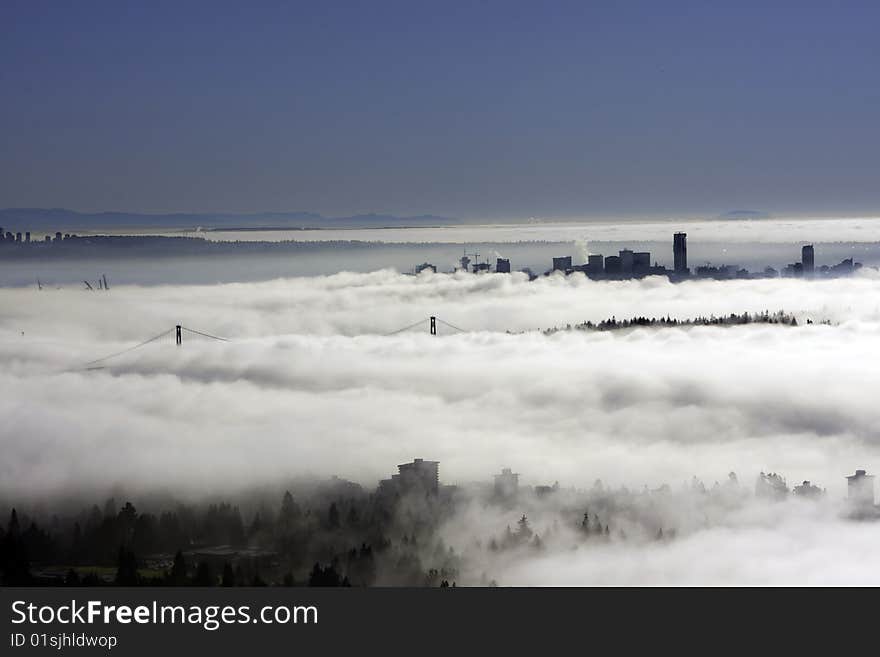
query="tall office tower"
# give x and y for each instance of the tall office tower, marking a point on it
(680, 253)
(807, 259)
(626, 261)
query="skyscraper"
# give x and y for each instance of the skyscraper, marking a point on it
(807, 259)
(626, 261)
(680, 253)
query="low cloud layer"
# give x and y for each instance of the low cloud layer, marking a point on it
(310, 385)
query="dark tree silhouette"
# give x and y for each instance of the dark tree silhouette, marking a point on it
(126, 568)
(204, 575)
(178, 573)
(228, 575)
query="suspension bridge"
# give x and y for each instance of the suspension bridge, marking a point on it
(178, 332)
(431, 322)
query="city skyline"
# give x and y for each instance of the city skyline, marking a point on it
(627, 264)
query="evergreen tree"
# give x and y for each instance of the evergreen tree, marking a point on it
(178, 574)
(14, 564)
(126, 568)
(228, 575)
(13, 529)
(523, 531)
(204, 575)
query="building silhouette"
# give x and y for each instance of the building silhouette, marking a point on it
(641, 263)
(807, 260)
(562, 264)
(506, 484)
(680, 253)
(626, 262)
(860, 488)
(807, 490)
(502, 266)
(419, 477)
(595, 264)
(612, 265)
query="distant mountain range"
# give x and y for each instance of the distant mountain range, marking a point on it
(60, 219)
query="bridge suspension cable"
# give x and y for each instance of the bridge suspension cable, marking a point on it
(93, 363)
(407, 328)
(125, 351)
(452, 326)
(205, 335)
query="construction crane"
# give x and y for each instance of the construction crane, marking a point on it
(465, 259)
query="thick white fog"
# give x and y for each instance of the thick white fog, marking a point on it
(298, 386)
(310, 384)
(790, 544)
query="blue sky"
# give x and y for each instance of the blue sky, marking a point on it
(477, 109)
